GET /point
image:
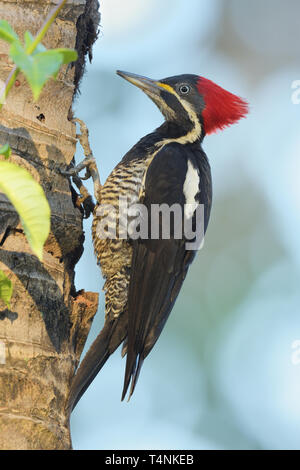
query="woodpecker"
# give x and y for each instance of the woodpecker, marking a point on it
(143, 275)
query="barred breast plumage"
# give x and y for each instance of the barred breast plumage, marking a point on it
(114, 254)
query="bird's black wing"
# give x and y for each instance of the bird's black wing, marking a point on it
(158, 266)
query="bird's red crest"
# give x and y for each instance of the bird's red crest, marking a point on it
(222, 108)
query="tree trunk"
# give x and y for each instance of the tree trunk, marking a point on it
(42, 336)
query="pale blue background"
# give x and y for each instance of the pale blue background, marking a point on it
(225, 373)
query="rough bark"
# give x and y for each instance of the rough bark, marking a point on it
(43, 334)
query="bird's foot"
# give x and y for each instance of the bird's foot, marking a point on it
(84, 199)
(89, 164)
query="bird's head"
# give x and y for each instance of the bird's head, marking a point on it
(196, 105)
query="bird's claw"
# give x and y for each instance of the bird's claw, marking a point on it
(86, 164)
(68, 173)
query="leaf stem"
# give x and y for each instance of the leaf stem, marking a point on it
(8, 84)
(49, 20)
(15, 71)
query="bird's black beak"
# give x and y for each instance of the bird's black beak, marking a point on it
(144, 83)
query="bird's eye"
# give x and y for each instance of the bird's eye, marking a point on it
(184, 89)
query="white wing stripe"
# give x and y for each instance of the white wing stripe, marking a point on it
(190, 189)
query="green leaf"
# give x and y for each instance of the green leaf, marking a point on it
(6, 151)
(7, 33)
(28, 40)
(5, 288)
(68, 55)
(30, 202)
(37, 68)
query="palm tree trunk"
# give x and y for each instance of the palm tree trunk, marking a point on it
(43, 334)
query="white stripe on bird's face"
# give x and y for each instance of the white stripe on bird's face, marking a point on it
(196, 131)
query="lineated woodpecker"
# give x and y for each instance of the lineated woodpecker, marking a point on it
(144, 276)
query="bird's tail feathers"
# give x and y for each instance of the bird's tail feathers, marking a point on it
(132, 373)
(108, 340)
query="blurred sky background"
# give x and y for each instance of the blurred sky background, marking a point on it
(225, 373)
